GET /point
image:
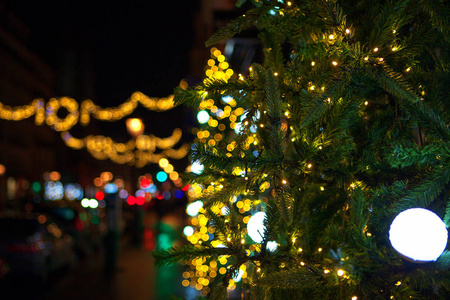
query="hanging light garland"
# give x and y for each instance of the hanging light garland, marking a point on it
(48, 112)
(138, 152)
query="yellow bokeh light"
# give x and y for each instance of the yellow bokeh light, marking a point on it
(163, 162)
(168, 169)
(224, 65)
(174, 175)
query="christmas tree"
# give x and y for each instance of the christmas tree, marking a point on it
(344, 128)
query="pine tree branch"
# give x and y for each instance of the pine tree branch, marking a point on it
(426, 192)
(189, 96)
(301, 278)
(447, 215)
(275, 144)
(402, 157)
(236, 26)
(439, 16)
(283, 200)
(429, 119)
(395, 84)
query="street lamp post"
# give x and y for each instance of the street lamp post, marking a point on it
(135, 128)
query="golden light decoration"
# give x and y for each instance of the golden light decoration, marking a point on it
(69, 121)
(138, 151)
(48, 113)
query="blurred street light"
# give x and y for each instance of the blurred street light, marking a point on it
(135, 127)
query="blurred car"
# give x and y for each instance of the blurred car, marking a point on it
(31, 244)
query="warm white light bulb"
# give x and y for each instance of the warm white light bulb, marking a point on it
(418, 234)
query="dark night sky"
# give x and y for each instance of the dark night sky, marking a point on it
(126, 46)
(133, 45)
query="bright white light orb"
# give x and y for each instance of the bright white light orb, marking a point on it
(225, 211)
(202, 116)
(197, 168)
(272, 246)
(227, 99)
(85, 202)
(256, 228)
(418, 234)
(93, 203)
(193, 208)
(238, 277)
(188, 230)
(238, 128)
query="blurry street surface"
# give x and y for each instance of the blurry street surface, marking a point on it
(136, 276)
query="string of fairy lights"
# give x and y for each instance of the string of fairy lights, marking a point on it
(138, 152)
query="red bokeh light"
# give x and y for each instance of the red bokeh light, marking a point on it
(99, 196)
(140, 200)
(145, 183)
(185, 188)
(159, 196)
(131, 200)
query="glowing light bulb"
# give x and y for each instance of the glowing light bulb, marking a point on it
(418, 235)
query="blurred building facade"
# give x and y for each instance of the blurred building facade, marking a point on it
(26, 150)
